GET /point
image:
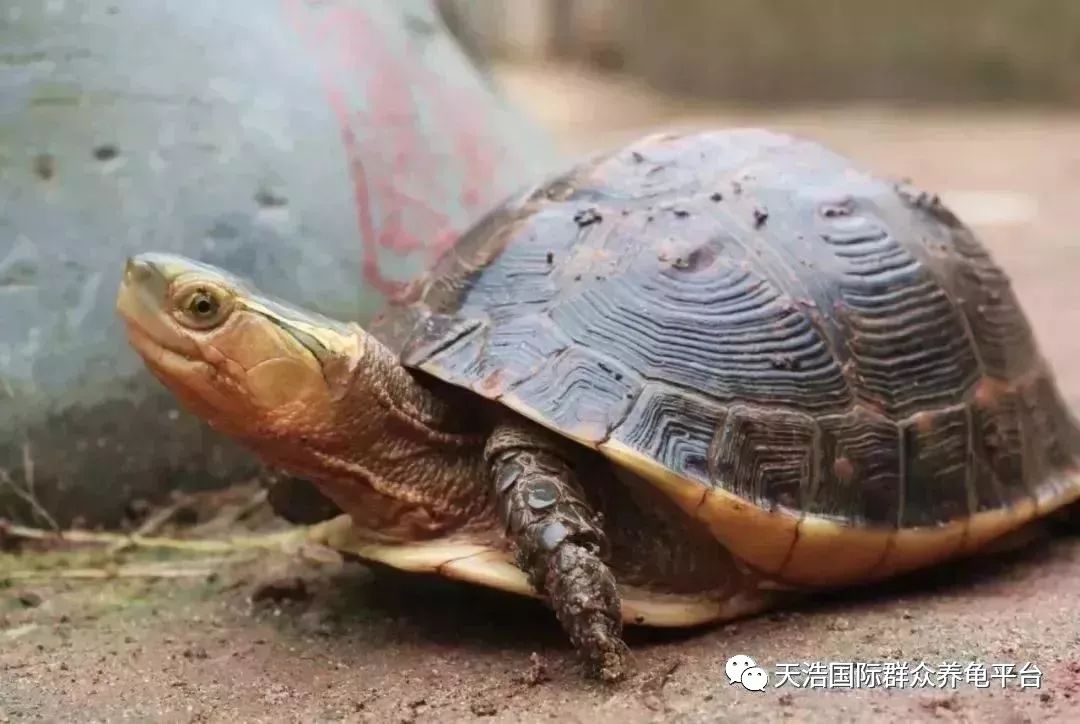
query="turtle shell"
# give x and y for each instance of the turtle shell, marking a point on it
(826, 367)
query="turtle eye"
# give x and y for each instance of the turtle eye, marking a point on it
(201, 308)
(202, 305)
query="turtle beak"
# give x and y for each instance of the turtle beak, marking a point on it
(145, 280)
(142, 292)
(142, 302)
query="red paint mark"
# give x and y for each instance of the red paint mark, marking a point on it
(399, 167)
(370, 264)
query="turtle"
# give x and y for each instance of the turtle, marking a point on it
(678, 382)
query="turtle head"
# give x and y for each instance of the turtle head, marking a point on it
(257, 369)
(316, 397)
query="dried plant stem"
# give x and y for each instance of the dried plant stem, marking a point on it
(27, 494)
(158, 570)
(228, 545)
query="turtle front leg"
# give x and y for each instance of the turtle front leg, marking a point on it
(559, 541)
(297, 500)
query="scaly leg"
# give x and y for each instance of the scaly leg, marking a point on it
(559, 542)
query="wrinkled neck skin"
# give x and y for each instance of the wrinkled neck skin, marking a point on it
(404, 462)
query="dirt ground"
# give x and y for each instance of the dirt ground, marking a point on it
(329, 641)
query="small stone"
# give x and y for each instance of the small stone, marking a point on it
(537, 672)
(587, 217)
(484, 708)
(30, 599)
(290, 588)
(315, 623)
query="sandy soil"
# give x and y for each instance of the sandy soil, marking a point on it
(277, 639)
(341, 642)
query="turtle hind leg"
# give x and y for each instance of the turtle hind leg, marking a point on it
(559, 540)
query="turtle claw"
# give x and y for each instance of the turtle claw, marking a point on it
(583, 593)
(611, 662)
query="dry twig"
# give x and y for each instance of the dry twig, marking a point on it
(151, 570)
(28, 495)
(228, 545)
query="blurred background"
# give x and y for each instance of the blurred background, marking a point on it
(588, 66)
(783, 51)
